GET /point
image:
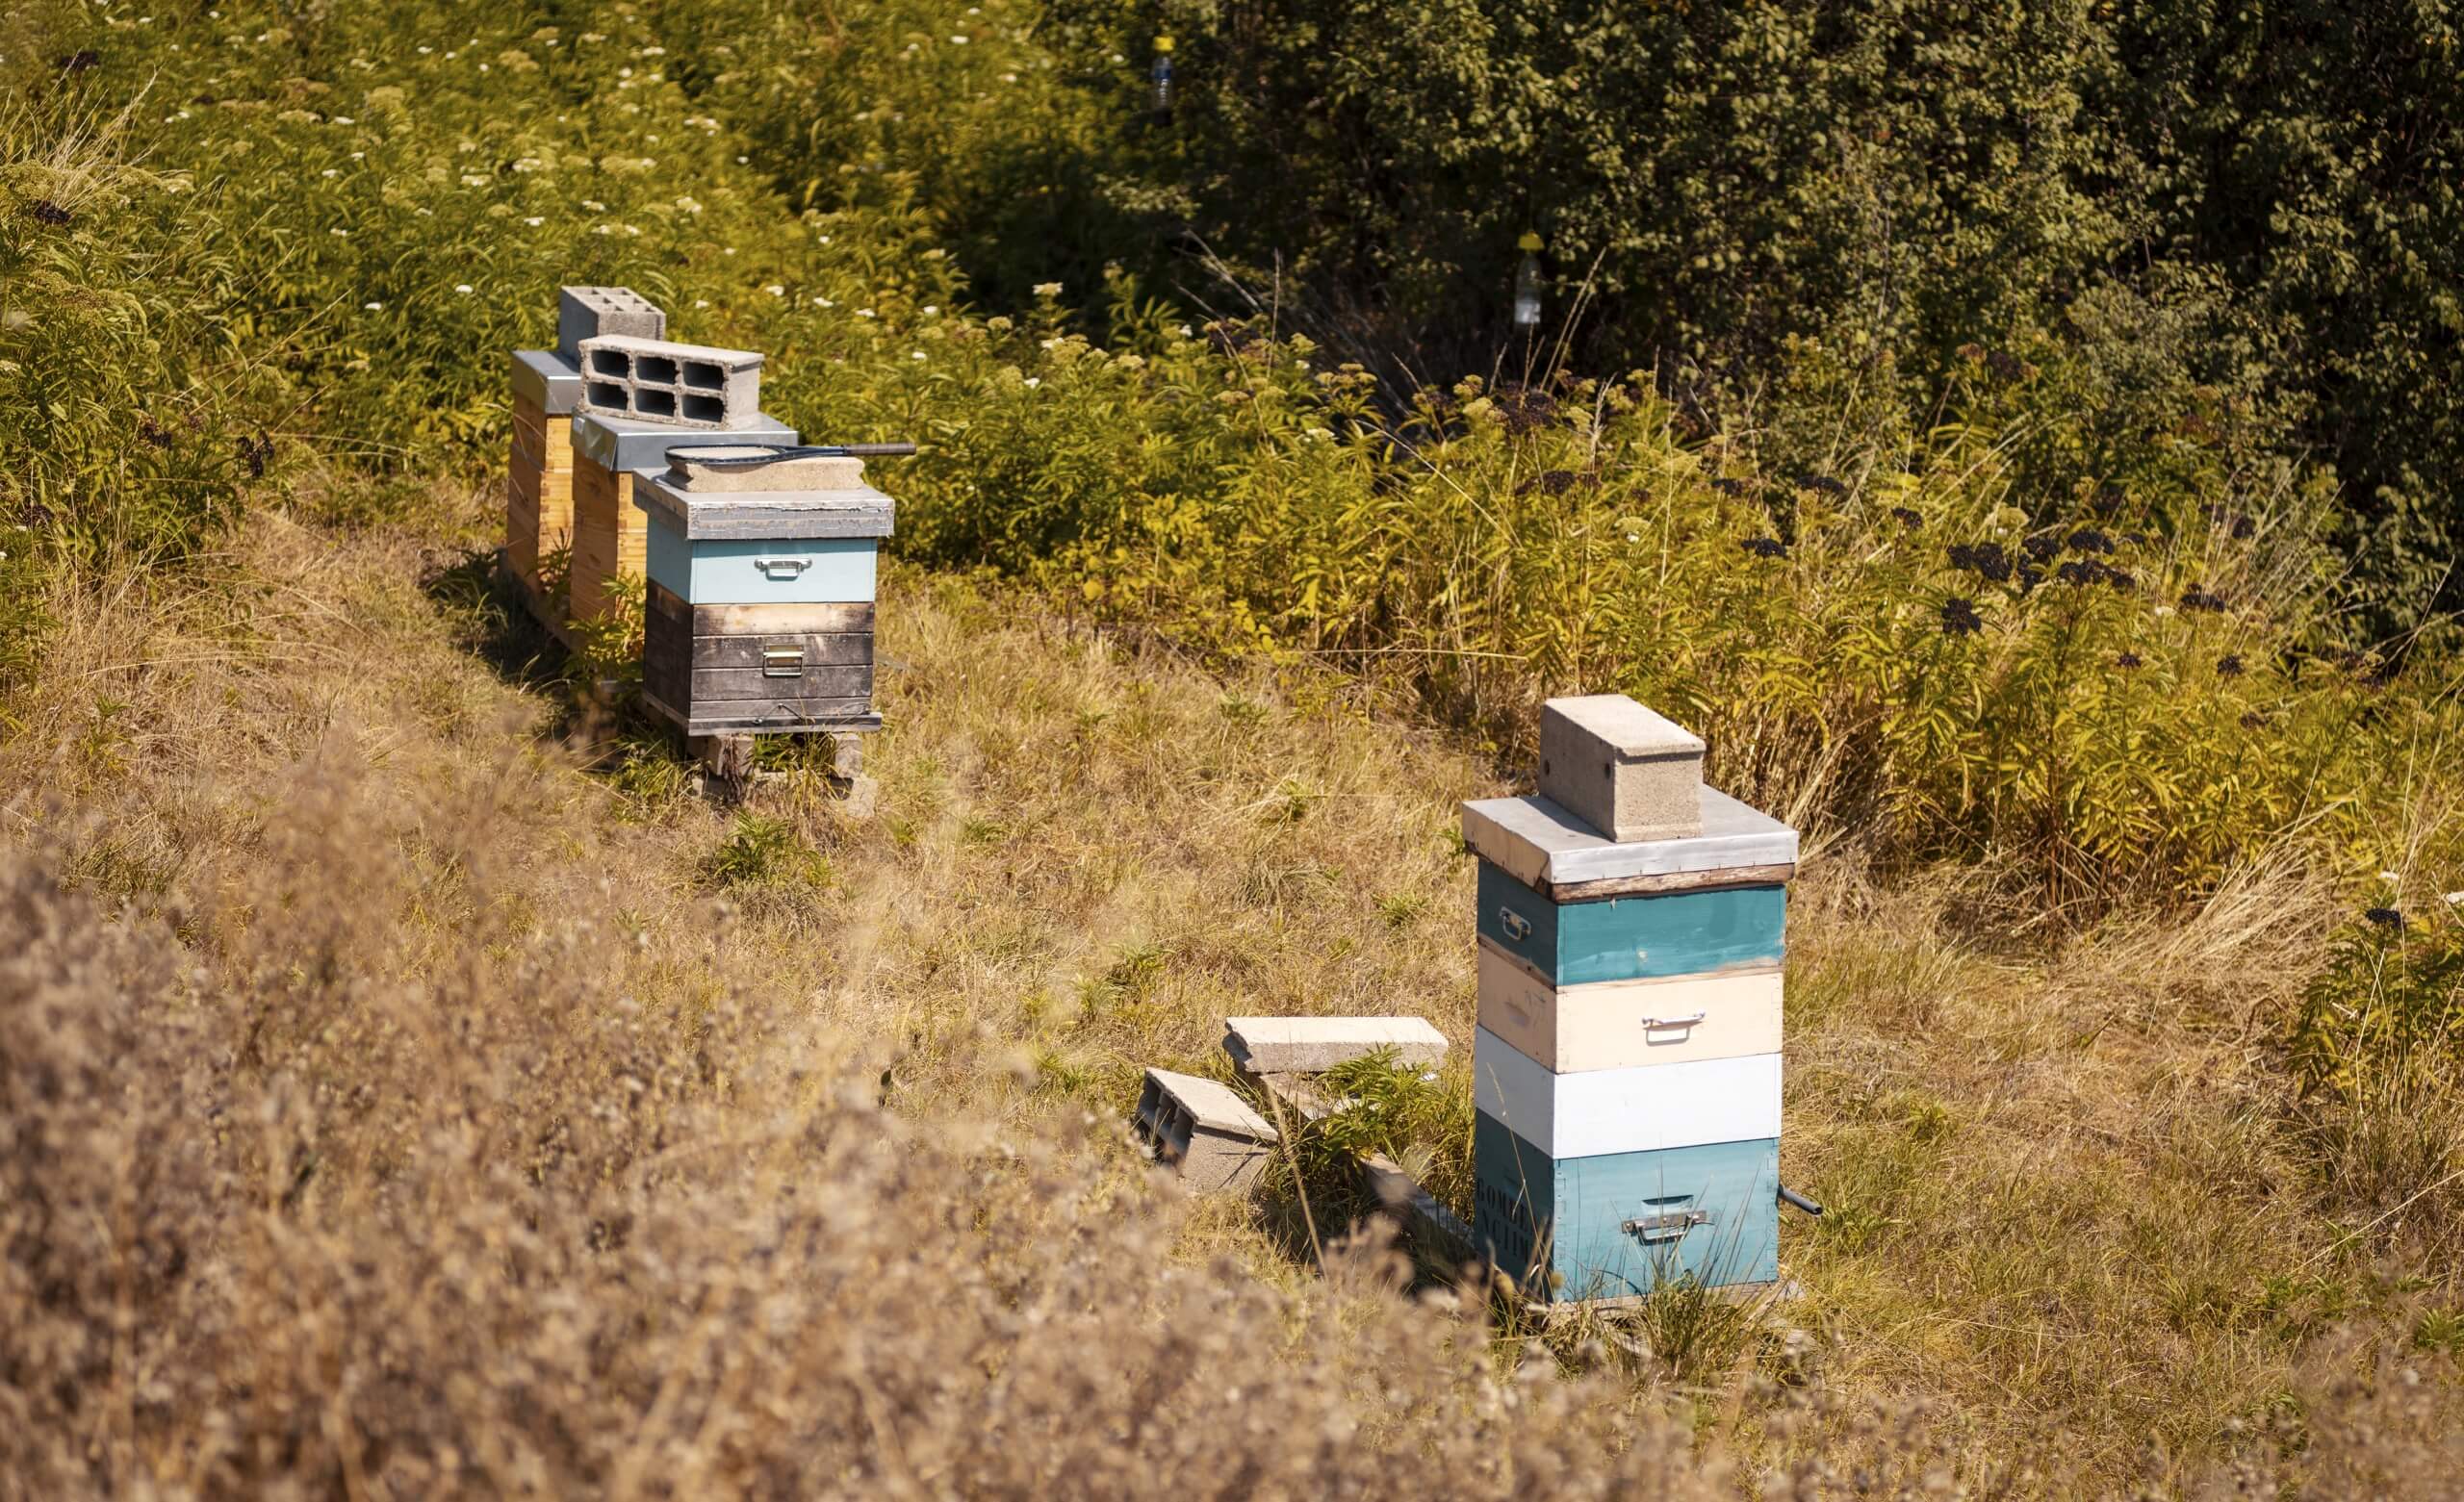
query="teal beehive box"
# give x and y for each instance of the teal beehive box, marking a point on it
(762, 571)
(1632, 927)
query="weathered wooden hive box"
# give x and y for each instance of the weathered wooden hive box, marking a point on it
(611, 531)
(761, 585)
(1627, 1062)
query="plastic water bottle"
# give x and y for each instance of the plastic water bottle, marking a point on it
(1527, 284)
(1159, 73)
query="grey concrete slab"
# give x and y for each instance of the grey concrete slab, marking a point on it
(1310, 1045)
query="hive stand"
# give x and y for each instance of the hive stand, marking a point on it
(1627, 1064)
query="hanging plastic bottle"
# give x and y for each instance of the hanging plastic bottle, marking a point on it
(1527, 284)
(1159, 73)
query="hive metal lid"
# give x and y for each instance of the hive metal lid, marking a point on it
(697, 516)
(548, 380)
(1540, 844)
(629, 444)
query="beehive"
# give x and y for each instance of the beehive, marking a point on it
(610, 531)
(1627, 1064)
(760, 601)
(539, 472)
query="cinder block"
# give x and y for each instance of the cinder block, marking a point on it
(1203, 1129)
(720, 468)
(1629, 773)
(652, 380)
(547, 380)
(1308, 1045)
(592, 312)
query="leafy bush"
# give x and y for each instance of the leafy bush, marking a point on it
(2118, 688)
(1723, 183)
(2385, 1018)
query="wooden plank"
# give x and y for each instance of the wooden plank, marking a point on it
(821, 649)
(782, 620)
(724, 690)
(839, 717)
(1620, 1024)
(1633, 938)
(1669, 881)
(1640, 1108)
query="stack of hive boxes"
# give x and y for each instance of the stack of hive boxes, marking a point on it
(760, 592)
(1627, 1062)
(539, 479)
(632, 394)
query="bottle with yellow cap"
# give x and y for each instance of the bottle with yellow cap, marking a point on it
(1159, 73)
(1527, 284)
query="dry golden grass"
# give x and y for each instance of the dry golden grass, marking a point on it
(411, 1090)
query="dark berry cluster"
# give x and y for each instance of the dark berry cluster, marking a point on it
(154, 432)
(46, 211)
(1987, 560)
(2386, 918)
(80, 61)
(1767, 546)
(2229, 665)
(2041, 549)
(1822, 483)
(1730, 487)
(2196, 597)
(2093, 570)
(1906, 517)
(1554, 482)
(2087, 539)
(1960, 618)
(2126, 660)
(256, 453)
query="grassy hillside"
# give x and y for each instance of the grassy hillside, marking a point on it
(413, 1083)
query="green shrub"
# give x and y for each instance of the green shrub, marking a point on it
(2384, 1021)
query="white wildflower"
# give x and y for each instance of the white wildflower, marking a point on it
(374, 307)
(1048, 289)
(463, 287)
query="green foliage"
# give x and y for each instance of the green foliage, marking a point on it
(2270, 190)
(1419, 1122)
(2083, 713)
(766, 854)
(2385, 1020)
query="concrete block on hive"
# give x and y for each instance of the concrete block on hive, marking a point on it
(720, 468)
(1312, 1045)
(585, 313)
(1203, 1129)
(625, 443)
(547, 380)
(1629, 773)
(651, 380)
